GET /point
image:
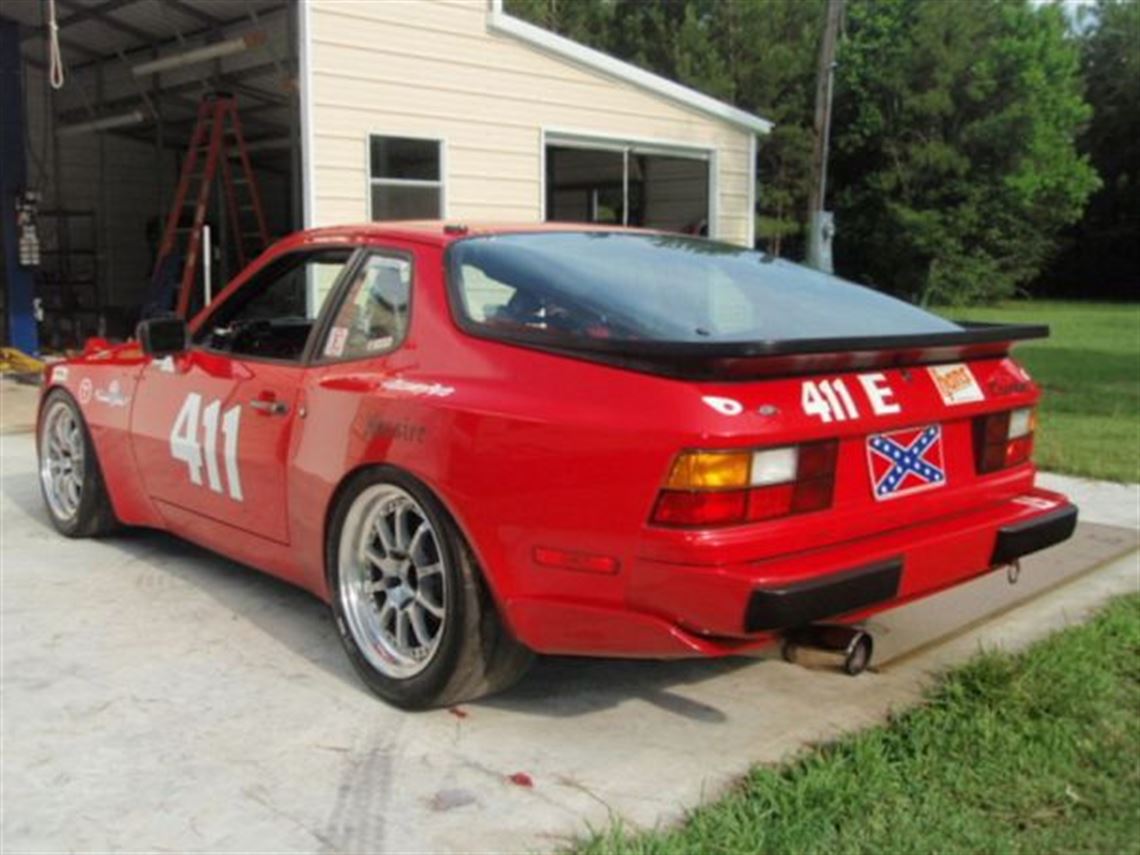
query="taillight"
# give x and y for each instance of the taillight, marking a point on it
(1004, 439)
(715, 488)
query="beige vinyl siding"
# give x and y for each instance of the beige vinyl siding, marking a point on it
(431, 68)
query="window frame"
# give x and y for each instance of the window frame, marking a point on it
(203, 318)
(372, 181)
(631, 144)
(339, 295)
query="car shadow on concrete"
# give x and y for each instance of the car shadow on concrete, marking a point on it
(555, 687)
(567, 686)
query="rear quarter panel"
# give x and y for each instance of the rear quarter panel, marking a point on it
(520, 446)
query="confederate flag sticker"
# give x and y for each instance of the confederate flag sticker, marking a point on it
(906, 461)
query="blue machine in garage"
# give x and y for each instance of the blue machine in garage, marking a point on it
(17, 202)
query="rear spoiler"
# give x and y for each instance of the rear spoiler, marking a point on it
(744, 360)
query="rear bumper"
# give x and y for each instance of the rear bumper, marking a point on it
(863, 587)
(1032, 535)
(675, 610)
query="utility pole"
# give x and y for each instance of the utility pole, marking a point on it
(821, 224)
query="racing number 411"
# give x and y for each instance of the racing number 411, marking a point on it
(827, 400)
(185, 447)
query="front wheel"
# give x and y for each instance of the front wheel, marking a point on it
(70, 478)
(412, 612)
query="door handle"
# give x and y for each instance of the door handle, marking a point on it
(269, 406)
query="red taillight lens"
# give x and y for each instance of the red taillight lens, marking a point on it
(814, 495)
(754, 485)
(1018, 450)
(1003, 439)
(691, 508)
(765, 503)
(817, 460)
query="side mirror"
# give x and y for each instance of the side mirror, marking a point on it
(160, 337)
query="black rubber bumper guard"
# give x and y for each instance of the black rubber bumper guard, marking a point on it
(1014, 541)
(835, 594)
(802, 603)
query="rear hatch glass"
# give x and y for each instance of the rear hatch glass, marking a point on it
(622, 287)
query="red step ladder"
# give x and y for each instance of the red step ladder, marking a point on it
(211, 144)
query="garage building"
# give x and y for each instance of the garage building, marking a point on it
(350, 110)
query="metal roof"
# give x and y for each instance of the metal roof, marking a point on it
(100, 40)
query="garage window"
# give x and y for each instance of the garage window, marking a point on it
(406, 178)
(628, 184)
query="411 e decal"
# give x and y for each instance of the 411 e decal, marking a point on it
(830, 400)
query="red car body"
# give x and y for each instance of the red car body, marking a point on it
(552, 465)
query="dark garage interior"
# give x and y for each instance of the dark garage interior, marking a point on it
(96, 144)
(627, 185)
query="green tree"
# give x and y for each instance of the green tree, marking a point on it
(586, 21)
(955, 163)
(770, 49)
(756, 54)
(953, 158)
(1102, 253)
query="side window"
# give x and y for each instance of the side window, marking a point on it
(374, 315)
(272, 315)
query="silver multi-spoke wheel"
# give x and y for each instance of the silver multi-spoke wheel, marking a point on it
(393, 581)
(415, 618)
(62, 459)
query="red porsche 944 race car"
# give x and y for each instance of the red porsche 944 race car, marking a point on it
(477, 444)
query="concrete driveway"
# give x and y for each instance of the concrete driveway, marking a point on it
(158, 697)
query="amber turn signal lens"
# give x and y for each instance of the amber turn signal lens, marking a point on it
(710, 470)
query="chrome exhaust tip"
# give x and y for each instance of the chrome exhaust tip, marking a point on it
(849, 648)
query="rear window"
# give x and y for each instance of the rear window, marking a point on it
(664, 288)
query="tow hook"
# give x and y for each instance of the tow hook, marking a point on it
(1013, 572)
(847, 646)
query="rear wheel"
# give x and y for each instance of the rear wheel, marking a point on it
(70, 478)
(411, 610)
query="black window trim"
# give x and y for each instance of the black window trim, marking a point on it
(338, 296)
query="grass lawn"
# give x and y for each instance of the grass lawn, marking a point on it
(1089, 421)
(1037, 753)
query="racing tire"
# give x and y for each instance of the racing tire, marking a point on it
(409, 603)
(71, 479)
